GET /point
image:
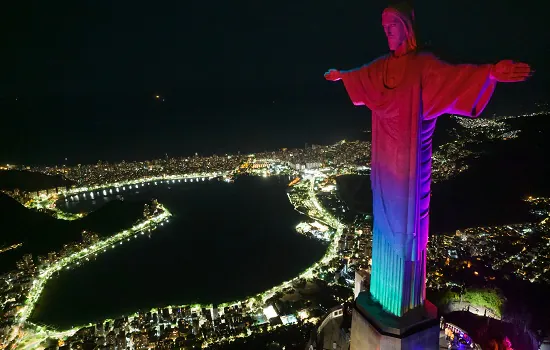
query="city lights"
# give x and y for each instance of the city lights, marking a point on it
(312, 190)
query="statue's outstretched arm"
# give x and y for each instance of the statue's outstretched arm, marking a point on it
(333, 75)
(465, 89)
(358, 84)
(462, 89)
(508, 71)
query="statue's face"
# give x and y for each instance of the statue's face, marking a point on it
(394, 29)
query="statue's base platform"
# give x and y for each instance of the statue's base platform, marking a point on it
(373, 328)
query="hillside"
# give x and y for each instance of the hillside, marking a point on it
(41, 233)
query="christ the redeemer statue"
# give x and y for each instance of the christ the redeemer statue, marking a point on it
(407, 90)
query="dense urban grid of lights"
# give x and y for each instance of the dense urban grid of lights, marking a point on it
(254, 302)
(43, 275)
(519, 249)
(313, 193)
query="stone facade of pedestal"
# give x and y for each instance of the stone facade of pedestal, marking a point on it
(373, 328)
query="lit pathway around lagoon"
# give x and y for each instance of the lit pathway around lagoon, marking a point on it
(11, 247)
(101, 246)
(35, 334)
(74, 259)
(45, 200)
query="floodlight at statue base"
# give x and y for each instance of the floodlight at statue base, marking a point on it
(373, 328)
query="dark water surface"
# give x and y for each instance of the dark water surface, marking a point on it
(225, 242)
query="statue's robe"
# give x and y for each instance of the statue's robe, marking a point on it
(406, 95)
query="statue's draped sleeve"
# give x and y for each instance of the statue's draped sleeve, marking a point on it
(363, 85)
(463, 89)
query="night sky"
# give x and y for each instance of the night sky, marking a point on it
(77, 78)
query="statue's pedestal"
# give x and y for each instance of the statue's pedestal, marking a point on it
(373, 328)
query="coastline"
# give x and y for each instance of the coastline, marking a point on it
(47, 202)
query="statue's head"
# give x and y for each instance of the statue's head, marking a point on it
(398, 23)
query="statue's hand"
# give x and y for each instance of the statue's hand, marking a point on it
(333, 75)
(508, 71)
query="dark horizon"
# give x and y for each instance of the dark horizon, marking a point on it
(235, 77)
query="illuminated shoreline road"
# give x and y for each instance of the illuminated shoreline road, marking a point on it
(312, 271)
(11, 247)
(46, 199)
(34, 335)
(74, 259)
(339, 158)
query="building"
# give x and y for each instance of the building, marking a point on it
(333, 331)
(361, 282)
